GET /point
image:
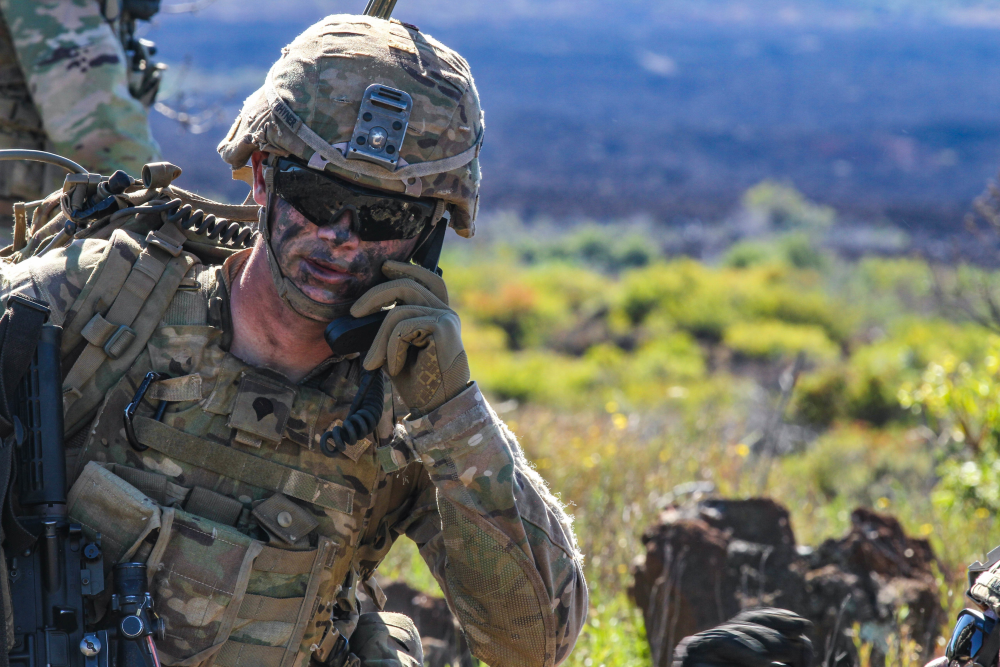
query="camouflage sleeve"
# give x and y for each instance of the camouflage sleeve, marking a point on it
(57, 277)
(497, 541)
(75, 69)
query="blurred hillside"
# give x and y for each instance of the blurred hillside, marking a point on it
(883, 110)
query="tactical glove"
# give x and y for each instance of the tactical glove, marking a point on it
(986, 589)
(420, 341)
(755, 638)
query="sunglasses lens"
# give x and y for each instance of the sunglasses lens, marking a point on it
(323, 199)
(971, 631)
(389, 218)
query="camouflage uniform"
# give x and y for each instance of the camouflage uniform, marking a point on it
(455, 481)
(258, 542)
(64, 88)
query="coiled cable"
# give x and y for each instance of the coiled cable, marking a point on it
(365, 413)
(227, 231)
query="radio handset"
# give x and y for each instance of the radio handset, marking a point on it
(348, 335)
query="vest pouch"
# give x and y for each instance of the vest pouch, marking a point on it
(101, 502)
(229, 600)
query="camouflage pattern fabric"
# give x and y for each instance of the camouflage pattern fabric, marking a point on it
(20, 127)
(72, 70)
(320, 80)
(455, 481)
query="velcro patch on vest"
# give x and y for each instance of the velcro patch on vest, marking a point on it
(183, 388)
(262, 407)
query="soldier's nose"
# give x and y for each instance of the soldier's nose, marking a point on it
(339, 232)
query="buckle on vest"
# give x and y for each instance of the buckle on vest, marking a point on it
(159, 241)
(119, 341)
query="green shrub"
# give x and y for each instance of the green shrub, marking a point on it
(786, 209)
(771, 339)
(799, 304)
(820, 397)
(859, 465)
(801, 251)
(746, 254)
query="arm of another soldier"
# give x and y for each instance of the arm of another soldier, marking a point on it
(497, 541)
(75, 69)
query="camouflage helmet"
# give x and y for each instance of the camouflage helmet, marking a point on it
(310, 101)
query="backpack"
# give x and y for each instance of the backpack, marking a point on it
(156, 233)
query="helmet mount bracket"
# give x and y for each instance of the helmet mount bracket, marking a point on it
(381, 126)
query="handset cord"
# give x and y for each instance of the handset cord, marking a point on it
(227, 231)
(364, 415)
(369, 402)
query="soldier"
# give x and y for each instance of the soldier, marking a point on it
(64, 86)
(258, 533)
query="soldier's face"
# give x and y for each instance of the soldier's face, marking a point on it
(330, 263)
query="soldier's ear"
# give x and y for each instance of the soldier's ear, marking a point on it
(259, 189)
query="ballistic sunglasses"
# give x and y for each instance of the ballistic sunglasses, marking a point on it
(972, 630)
(375, 216)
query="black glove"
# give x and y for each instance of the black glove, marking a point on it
(754, 638)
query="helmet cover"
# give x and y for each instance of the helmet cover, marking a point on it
(309, 105)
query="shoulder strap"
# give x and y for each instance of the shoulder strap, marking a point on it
(117, 336)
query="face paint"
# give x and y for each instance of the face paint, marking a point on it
(330, 264)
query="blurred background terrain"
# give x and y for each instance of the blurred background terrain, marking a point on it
(886, 110)
(726, 249)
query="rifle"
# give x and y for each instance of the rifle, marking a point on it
(55, 573)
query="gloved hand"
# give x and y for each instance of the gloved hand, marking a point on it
(754, 638)
(986, 589)
(420, 341)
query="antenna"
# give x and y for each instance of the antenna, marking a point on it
(380, 8)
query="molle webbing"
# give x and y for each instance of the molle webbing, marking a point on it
(298, 611)
(263, 608)
(249, 469)
(142, 292)
(233, 654)
(138, 286)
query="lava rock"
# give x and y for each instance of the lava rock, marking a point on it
(706, 561)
